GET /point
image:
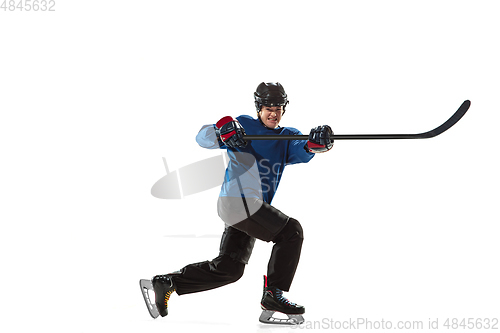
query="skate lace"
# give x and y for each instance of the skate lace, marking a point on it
(283, 299)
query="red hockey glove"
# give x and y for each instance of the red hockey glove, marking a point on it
(320, 139)
(230, 132)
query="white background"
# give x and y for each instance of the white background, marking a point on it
(93, 95)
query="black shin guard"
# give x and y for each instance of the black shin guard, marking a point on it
(285, 255)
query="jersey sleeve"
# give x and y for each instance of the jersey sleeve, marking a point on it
(296, 151)
(207, 138)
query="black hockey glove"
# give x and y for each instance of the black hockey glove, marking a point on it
(230, 132)
(320, 139)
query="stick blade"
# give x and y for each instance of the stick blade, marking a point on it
(449, 123)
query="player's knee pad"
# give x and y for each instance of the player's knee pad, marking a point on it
(237, 273)
(292, 231)
(296, 228)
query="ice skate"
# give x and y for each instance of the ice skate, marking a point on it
(273, 301)
(163, 286)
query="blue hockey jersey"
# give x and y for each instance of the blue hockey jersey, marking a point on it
(256, 170)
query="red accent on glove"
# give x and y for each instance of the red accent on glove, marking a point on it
(223, 121)
(314, 145)
(227, 136)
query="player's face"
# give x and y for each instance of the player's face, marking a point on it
(271, 115)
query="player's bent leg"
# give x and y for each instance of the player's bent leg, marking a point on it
(269, 224)
(234, 252)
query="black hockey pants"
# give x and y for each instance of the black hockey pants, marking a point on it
(267, 224)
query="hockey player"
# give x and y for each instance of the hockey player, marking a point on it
(252, 177)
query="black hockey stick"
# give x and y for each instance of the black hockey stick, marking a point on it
(430, 134)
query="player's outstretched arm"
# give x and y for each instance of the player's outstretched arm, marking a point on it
(207, 138)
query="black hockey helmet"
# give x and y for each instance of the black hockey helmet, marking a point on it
(270, 94)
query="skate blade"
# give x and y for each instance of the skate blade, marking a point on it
(266, 317)
(147, 285)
